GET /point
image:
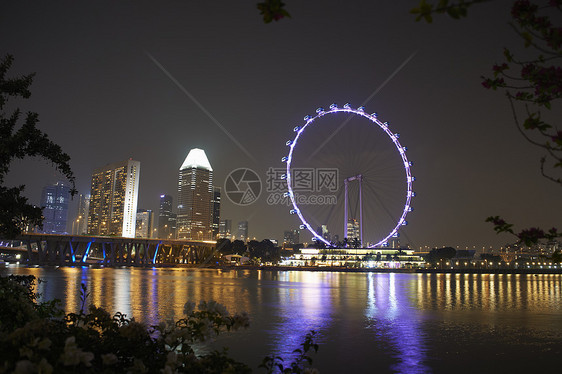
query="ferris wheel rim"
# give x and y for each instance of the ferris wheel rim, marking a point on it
(320, 112)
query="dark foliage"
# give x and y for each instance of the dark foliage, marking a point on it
(437, 254)
(272, 10)
(18, 142)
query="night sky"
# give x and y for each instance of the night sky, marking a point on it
(108, 88)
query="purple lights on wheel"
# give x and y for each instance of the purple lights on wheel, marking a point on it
(383, 126)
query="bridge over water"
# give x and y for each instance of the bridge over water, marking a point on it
(49, 249)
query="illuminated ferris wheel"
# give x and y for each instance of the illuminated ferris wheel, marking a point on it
(382, 185)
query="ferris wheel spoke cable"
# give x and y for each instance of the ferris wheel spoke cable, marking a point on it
(375, 194)
(331, 211)
(403, 231)
(328, 216)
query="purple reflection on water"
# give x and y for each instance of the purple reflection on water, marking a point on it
(392, 317)
(304, 300)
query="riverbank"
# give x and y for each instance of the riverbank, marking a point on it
(337, 269)
(385, 270)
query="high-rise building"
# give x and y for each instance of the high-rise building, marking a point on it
(326, 233)
(54, 201)
(243, 230)
(145, 218)
(216, 212)
(225, 228)
(173, 226)
(113, 199)
(166, 218)
(80, 223)
(195, 192)
(291, 237)
(353, 230)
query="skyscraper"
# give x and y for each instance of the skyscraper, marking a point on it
(54, 201)
(216, 212)
(166, 218)
(80, 223)
(325, 232)
(113, 199)
(145, 217)
(243, 230)
(291, 236)
(195, 193)
(353, 230)
(173, 223)
(225, 228)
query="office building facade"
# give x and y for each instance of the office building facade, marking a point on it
(54, 201)
(216, 202)
(225, 229)
(80, 223)
(353, 230)
(243, 230)
(113, 199)
(291, 237)
(144, 225)
(195, 193)
(166, 218)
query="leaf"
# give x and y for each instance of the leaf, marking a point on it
(423, 11)
(527, 38)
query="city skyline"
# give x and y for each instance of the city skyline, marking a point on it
(469, 160)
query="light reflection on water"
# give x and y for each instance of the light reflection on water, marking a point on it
(391, 315)
(304, 302)
(404, 323)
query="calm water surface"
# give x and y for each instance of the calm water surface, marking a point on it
(367, 322)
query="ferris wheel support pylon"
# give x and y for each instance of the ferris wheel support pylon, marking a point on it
(346, 181)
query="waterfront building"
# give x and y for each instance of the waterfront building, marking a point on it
(195, 193)
(145, 218)
(166, 218)
(113, 199)
(383, 257)
(225, 228)
(216, 202)
(243, 230)
(54, 201)
(80, 221)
